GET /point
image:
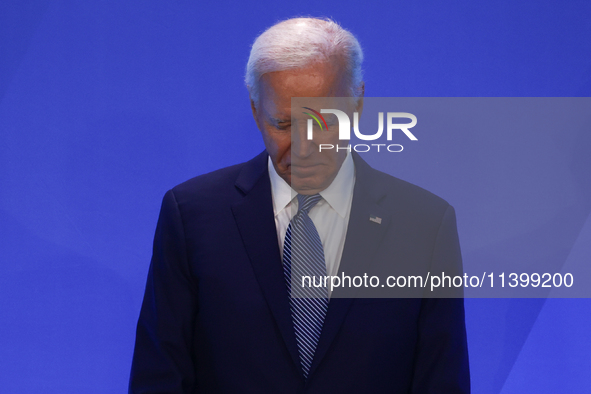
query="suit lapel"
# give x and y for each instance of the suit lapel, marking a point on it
(362, 240)
(256, 223)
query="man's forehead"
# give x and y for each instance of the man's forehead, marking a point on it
(317, 77)
(275, 112)
(300, 107)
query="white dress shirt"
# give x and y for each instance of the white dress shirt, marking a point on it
(330, 215)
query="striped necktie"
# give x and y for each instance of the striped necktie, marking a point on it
(303, 255)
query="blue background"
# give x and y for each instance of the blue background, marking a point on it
(105, 105)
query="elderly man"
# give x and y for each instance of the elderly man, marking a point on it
(218, 316)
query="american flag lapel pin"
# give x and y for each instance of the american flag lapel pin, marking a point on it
(375, 219)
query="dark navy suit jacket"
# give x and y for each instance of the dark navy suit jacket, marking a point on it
(215, 316)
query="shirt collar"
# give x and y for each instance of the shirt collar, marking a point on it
(338, 194)
(281, 191)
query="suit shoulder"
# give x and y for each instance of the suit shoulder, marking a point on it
(411, 195)
(219, 185)
(209, 182)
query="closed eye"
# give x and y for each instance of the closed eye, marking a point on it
(281, 124)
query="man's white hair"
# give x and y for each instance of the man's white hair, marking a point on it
(299, 42)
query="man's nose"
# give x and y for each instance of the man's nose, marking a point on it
(301, 146)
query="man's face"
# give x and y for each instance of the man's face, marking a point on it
(296, 159)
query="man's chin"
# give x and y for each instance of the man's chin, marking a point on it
(307, 185)
(308, 180)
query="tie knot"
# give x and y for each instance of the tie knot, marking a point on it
(305, 203)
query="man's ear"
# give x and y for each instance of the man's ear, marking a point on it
(359, 107)
(254, 112)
